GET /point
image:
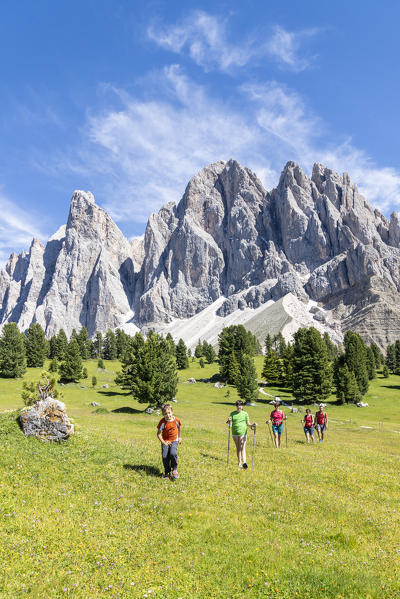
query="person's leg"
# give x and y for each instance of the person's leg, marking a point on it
(322, 431)
(242, 452)
(165, 459)
(236, 438)
(173, 456)
(312, 435)
(319, 432)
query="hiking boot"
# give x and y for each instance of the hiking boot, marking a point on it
(166, 476)
(240, 465)
(175, 474)
(245, 466)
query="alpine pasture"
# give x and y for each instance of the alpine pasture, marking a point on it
(93, 517)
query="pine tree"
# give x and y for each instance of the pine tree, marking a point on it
(171, 344)
(246, 381)
(268, 343)
(377, 355)
(391, 358)
(198, 352)
(153, 378)
(356, 359)
(370, 363)
(53, 347)
(98, 345)
(182, 360)
(110, 346)
(12, 352)
(312, 372)
(385, 372)
(209, 352)
(288, 366)
(36, 346)
(84, 343)
(124, 377)
(273, 370)
(53, 366)
(233, 369)
(71, 367)
(331, 347)
(201, 362)
(94, 381)
(122, 341)
(235, 339)
(397, 356)
(346, 385)
(62, 344)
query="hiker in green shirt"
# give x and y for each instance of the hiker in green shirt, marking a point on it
(240, 421)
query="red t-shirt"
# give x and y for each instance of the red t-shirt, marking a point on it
(277, 416)
(308, 421)
(169, 429)
(321, 417)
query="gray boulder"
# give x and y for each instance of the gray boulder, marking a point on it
(46, 420)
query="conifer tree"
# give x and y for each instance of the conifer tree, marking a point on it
(198, 352)
(346, 385)
(288, 366)
(182, 360)
(62, 344)
(171, 344)
(153, 378)
(385, 372)
(36, 346)
(233, 370)
(122, 342)
(331, 347)
(391, 358)
(12, 352)
(53, 347)
(312, 372)
(273, 370)
(370, 363)
(209, 352)
(201, 362)
(397, 356)
(110, 346)
(124, 377)
(84, 343)
(97, 346)
(356, 359)
(235, 339)
(268, 343)
(246, 380)
(377, 355)
(53, 366)
(71, 367)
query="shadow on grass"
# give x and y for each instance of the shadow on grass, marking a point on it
(127, 410)
(114, 393)
(224, 403)
(391, 386)
(145, 468)
(211, 457)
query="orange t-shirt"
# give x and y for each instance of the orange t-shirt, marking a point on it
(169, 429)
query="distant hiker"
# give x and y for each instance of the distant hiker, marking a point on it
(240, 421)
(169, 434)
(308, 423)
(277, 417)
(321, 419)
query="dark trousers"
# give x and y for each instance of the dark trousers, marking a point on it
(170, 456)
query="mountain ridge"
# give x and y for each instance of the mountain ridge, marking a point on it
(315, 238)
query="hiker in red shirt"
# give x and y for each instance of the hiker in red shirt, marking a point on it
(321, 419)
(169, 434)
(308, 423)
(277, 417)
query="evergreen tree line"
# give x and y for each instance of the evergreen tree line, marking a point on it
(313, 364)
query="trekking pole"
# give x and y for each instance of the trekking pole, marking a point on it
(254, 445)
(229, 441)
(286, 432)
(270, 434)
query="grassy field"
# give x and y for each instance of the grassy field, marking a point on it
(92, 517)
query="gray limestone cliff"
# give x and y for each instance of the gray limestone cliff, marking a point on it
(316, 238)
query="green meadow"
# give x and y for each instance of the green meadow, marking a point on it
(92, 517)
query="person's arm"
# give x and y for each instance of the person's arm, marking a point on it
(160, 438)
(179, 433)
(284, 416)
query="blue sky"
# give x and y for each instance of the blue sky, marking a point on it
(130, 99)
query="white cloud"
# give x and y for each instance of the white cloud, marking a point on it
(205, 39)
(284, 46)
(143, 154)
(17, 228)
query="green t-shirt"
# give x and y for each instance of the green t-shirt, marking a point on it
(239, 422)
